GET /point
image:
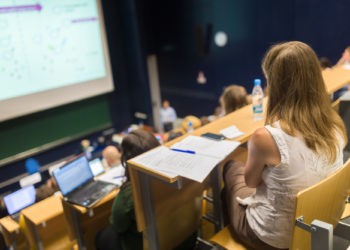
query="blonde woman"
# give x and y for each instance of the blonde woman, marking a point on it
(233, 97)
(300, 145)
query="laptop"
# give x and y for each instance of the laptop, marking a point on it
(96, 166)
(77, 185)
(19, 200)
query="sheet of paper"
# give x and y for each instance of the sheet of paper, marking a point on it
(115, 175)
(231, 132)
(207, 147)
(154, 159)
(172, 163)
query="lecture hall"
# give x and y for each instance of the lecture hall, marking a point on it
(185, 125)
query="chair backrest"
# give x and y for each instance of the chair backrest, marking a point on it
(325, 201)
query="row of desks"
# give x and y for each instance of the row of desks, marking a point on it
(167, 209)
(162, 203)
(56, 224)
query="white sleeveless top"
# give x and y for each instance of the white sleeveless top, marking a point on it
(270, 210)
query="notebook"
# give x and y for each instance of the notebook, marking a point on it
(96, 166)
(77, 185)
(19, 200)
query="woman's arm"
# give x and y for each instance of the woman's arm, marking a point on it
(262, 150)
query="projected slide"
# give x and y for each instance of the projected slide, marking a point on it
(48, 44)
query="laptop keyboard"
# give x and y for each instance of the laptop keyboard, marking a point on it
(92, 193)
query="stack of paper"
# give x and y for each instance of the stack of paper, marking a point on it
(194, 157)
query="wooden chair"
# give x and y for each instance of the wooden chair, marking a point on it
(318, 209)
(13, 234)
(45, 225)
(324, 202)
(225, 240)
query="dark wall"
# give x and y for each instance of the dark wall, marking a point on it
(127, 56)
(183, 39)
(323, 24)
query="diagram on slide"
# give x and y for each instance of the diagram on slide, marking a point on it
(49, 44)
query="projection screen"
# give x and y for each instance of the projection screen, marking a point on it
(52, 52)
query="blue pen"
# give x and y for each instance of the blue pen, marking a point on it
(183, 151)
(117, 177)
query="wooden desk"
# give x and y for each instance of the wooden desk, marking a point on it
(85, 223)
(154, 193)
(13, 234)
(336, 78)
(46, 225)
(169, 211)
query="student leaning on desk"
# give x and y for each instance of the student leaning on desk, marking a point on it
(300, 145)
(122, 232)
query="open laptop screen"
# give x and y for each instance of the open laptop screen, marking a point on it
(73, 175)
(20, 199)
(96, 166)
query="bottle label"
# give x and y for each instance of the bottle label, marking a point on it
(257, 104)
(258, 109)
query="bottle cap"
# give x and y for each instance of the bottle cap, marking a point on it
(257, 82)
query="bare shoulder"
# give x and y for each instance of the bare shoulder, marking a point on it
(265, 143)
(261, 136)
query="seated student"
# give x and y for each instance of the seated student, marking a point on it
(218, 112)
(325, 63)
(300, 145)
(111, 156)
(46, 190)
(3, 210)
(174, 134)
(233, 98)
(122, 232)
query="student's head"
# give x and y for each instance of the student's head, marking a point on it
(174, 134)
(233, 97)
(166, 104)
(112, 155)
(325, 62)
(298, 96)
(293, 77)
(136, 143)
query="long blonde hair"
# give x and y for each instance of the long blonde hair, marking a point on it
(298, 97)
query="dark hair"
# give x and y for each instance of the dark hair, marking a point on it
(136, 143)
(174, 134)
(325, 62)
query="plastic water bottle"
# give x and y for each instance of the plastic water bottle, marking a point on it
(189, 127)
(257, 100)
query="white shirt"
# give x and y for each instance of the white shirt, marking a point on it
(270, 211)
(167, 115)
